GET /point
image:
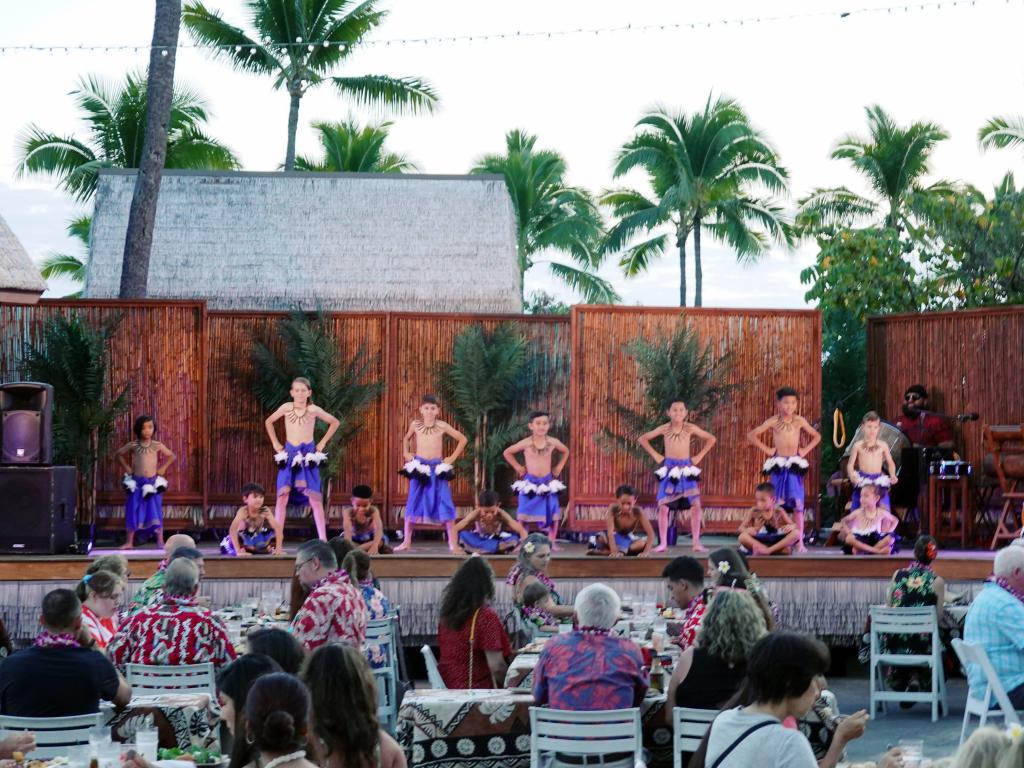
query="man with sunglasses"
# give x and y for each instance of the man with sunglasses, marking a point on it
(924, 430)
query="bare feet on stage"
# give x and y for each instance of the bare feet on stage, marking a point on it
(661, 548)
(555, 547)
(800, 548)
(404, 546)
(699, 548)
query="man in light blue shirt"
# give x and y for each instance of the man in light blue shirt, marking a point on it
(995, 621)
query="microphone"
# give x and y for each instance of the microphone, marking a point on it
(972, 416)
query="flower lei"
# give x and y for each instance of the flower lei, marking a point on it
(46, 639)
(594, 630)
(1002, 582)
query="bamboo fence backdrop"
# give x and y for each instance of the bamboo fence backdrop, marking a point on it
(771, 348)
(968, 361)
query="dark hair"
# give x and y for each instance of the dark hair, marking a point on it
(103, 583)
(340, 546)
(140, 422)
(672, 401)
(737, 565)
(765, 487)
(625, 490)
(538, 414)
(279, 645)
(429, 399)
(276, 713)
(782, 392)
(470, 587)
(253, 488)
(189, 553)
(296, 597)
(234, 681)
(116, 564)
(917, 389)
(344, 696)
(61, 607)
(781, 665)
(534, 593)
(357, 564)
(870, 416)
(362, 492)
(926, 549)
(488, 498)
(684, 568)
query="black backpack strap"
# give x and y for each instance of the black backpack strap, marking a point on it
(742, 736)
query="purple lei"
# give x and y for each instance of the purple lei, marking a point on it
(49, 640)
(518, 571)
(594, 630)
(1002, 582)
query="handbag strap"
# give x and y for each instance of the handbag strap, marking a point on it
(742, 736)
(472, 637)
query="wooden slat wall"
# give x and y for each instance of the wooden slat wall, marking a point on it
(969, 361)
(772, 348)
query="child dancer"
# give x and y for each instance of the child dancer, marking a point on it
(362, 524)
(428, 470)
(787, 463)
(495, 531)
(299, 459)
(870, 529)
(678, 474)
(144, 481)
(768, 530)
(255, 530)
(629, 530)
(868, 457)
(538, 485)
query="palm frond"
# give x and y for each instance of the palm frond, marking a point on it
(1001, 132)
(403, 94)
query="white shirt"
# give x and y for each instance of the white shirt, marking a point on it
(772, 746)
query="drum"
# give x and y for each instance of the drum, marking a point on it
(888, 434)
(950, 470)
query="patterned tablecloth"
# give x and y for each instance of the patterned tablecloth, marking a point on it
(182, 719)
(491, 729)
(520, 671)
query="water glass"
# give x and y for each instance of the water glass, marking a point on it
(564, 628)
(249, 607)
(147, 739)
(98, 736)
(913, 752)
(271, 602)
(109, 754)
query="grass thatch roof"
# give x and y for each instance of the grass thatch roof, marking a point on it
(20, 281)
(343, 241)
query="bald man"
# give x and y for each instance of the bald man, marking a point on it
(151, 588)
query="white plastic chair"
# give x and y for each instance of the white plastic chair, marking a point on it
(433, 673)
(995, 693)
(688, 729)
(380, 638)
(598, 733)
(154, 680)
(903, 621)
(54, 735)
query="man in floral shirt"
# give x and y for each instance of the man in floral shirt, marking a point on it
(150, 591)
(685, 579)
(334, 611)
(175, 630)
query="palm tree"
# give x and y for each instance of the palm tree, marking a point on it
(299, 44)
(351, 148)
(706, 171)
(67, 264)
(551, 216)
(1002, 132)
(116, 116)
(892, 160)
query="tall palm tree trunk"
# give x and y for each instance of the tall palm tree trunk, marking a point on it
(293, 126)
(698, 271)
(681, 235)
(159, 89)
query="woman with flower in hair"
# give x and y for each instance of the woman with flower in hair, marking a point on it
(531, 568)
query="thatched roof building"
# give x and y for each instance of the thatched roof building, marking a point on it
(341, 241)
(20, 282)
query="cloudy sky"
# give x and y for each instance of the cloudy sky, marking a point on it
(804, 81)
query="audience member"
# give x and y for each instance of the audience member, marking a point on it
(473, 643)
(357, 565)
(685, 578)
(148, 593)
(176, 630)
(531, 566)
(344, 696)
(277, 721)
(987, 747)
(233, 684)
(101, 594)
(729, 569)
(278, 644)
(334, 611)
(116, 564)
(61, 674)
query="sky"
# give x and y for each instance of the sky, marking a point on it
(804, 81)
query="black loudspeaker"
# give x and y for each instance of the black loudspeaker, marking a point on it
(37, 509)
(26, 423)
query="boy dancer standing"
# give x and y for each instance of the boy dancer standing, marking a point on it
(429, 470)
(538, 485)
(787, 463)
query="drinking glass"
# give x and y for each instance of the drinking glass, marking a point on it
(913, 752)
(147, 739)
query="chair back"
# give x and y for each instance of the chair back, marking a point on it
(54, 735)
(898, 621)
(601, 732)
(1006, 444)
(972, 653)
(688, 729)
(153, 680)
(433, 673)
(387, 699)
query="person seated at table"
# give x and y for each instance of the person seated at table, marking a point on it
(684, 577)
(728, 568)
(333, 611)
(175, 631)
(589, 668)
(473, 643)
(709, 673)
(995, 621)
(149, 592)
(100, 593)
(278, 644)
(494, 531)
(61, 674)
(767, 529)
(277, 722)
(531, 566)
(537, 605)
(344, 697)
(869, 529)
(362, 523)
(116, 564)
(629, 532)
(357, 565)
(233, 684)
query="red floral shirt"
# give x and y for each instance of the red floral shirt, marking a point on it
(174, 631)
(691, 622)
(334, 612)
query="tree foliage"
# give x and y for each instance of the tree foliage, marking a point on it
(349, 147)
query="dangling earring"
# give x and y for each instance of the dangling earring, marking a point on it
(249, 738)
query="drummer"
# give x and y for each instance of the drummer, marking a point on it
(923, 429)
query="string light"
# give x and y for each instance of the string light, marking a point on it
(284, 48)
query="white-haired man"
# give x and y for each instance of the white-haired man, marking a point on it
(589, 668)
(995, 621)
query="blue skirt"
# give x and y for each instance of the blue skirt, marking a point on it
(296, 476)
(673, 486)
(489, 544)
(534, 507)
(143, 512)
(430, 498)
(871, 478)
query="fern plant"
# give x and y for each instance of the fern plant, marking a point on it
(671, 367)
(74, 358)
(343, 385)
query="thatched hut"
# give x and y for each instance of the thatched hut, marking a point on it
(342, 241)
(20, 282)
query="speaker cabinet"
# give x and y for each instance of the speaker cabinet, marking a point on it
(37, 509)
(26, 423)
